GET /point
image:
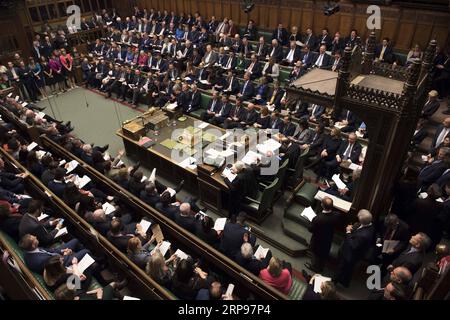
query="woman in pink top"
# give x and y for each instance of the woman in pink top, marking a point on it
(67, 64)
(143, 58)
(275, 276)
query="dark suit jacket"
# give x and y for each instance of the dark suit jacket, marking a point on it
(241, 114)
(194, 102)
(356, 151)
(232, 239)
(251, 117)
(264, 50)
(283, 38)
(10, 226)
(253, 265)
(388, 53)
(411, 261)
(436, 135)
(292, 153)
(288, 130)
(188, 223)
(36, 261)
(234, 85)
(249, 90)
(277, 53)
(57, 187)
(119, 241)
(357, 243)
(430, 108)
(430, 173)
(308, 58)
(30, 225)
(327, 61)
(217, 107)
(322, 229)
(332, 147)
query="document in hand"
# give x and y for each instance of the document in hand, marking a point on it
(144, 178)
(230, 289)
(61, 232)
(85, 263)
(338, 181)
(71, 166)
(261, 252)
(152, 176)
(41, 115)
(180, 254)
(157, 232)
(354, 166)
(171, 191)
(228, 174)
(250, 158)
(219, 225)
(145, 225)
(83, 181)
(318, 280)
(42, 216)
(62, 162)
(165, 245)
(189, 162)
(31, 146)
(106, 156)
(40, 154)
(108, 208)
(308, 213)
(130, 298)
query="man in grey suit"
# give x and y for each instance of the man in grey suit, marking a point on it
(210, 58)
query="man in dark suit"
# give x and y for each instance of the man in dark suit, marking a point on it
(58, 185)
(322, 228)
(308, 57)
(213, 108)
(185, 219)
(11, 181)
(243, 185)
(412, 257)
(310, 39)
(274, 100)
(358, 239)
(194, 102)
(315, 112)
(323, 60)
(384, 52)
(337, 62)
(10, 220)
(253, 67)
(250, 118)
(432, 104)
(230, 85)
(275, 122)
(261, 50)
(247, 90)
(238, 113)
(234, 235)
(289, 151)
(293, 55)
(281, 35)
(31, 225)
(353, 39)
(224, 112)
(325, 39)
(338, 43)
(432, 171)
(348, 120)
(288, 129)
(36, 257)
(276, 51)
(441, 132)
(349, 150)
(317, 141)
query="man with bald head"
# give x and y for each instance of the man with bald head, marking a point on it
(358, 240)
(322, 229)
(185, 218)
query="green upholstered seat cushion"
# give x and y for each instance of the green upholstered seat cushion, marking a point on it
(305, 195)
(297, 290)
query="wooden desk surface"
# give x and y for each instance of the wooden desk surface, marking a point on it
(164, 152)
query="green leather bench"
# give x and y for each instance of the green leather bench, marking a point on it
(204, 100)
(297, 290)
(305, 195)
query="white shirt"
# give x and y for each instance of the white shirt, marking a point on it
(290, 55)
(319, 60)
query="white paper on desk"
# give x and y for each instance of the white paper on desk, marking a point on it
(250, 158)
(272, 144)
(62, 162)
(389, 245)
(339, 184)
(40, 154)
(226, 153)
(145, 225)
(318, 280)
(144, 178)
(85, 263)
(228, 174)
(42, 216)
(180, 254)
(165, 245)
(72, 165)
(423, 195)
(171, 106)
(187, 79)
(219, 225)
(31, 146)
(189, 162)
(106, 156)
(41, 115)
(152, 176)
(130, 298)
(108, 208)
(171, 191)
(229, 291)
(354, 166)
(203, 125)
(261, 252)
(213, 153)
(308, 213)
(83, 181)
(226, 135)
(61, 232)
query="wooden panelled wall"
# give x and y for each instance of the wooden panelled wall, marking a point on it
(404, 26)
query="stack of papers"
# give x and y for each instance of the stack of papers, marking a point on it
(228, 174)
(318, 280)
(108, 208)
(61, 232)
(145, 225)
(339, 184)
(268, 145)
(261, 252)
(308, 213)
(180, 254)
(219, 225)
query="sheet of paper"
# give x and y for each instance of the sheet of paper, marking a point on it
(42, 216)
(226, 153)
(389, 245)
(71, 166)
(165, 245)
(188, 162)
(157, 232)
(41, 115)
(440, 200)
(230, 289)
(203, 125)
(61, 232)
(153, 176)
(261, 252)
(251, 157)
(228, 174)
(83, 181)
(226, 135)
(213, 153)
(272, 144)
(354, 166)
(308, 213)
(423, 195)
(108, 208)
(219, 225)
(85, 263)
(145, 225)
(62, 162)
(180, 254)
(144, 178)
(106, 156)
(130, 298)
(120, 163)
(318, 280)
(338, 181)
(171, 191)
(40, 154)
(31, 146)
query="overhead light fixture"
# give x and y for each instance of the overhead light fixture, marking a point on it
(330, 8)
(248, 6)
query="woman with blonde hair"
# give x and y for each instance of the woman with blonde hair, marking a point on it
(158, 270)
(276, 276)
(139, 253)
